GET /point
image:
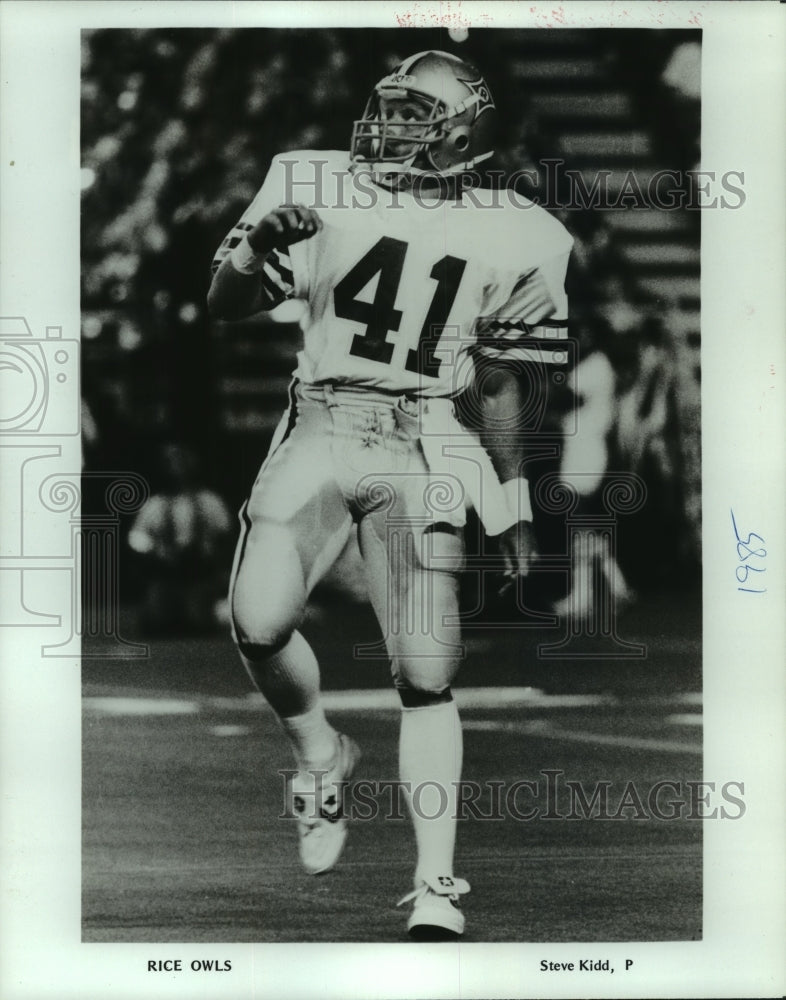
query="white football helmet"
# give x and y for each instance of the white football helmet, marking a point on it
(433, 114)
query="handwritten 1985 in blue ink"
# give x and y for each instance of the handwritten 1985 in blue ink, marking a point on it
(749, 554)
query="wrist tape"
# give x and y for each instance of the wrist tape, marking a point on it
(245, 259)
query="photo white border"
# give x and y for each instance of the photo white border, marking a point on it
(743, 367)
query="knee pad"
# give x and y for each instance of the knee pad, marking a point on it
(262, 637)
(440, 548)
(258, 652)
(419, 698)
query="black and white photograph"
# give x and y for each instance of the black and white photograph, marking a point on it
(390, 510)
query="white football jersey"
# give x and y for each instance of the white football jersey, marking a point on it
(403, 290)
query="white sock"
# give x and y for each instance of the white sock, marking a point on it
(430, 757)
(312, 737)
(289, 680)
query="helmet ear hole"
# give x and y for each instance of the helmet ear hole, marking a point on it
(459, 139)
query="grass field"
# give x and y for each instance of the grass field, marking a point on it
(183, 839)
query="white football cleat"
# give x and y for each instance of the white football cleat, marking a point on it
(317, 800)
(436, 915)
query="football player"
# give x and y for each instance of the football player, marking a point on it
(415, 285)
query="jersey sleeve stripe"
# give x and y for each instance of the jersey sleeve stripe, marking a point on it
(286, 287)
(501, 329)
(273, 290)
(231, 240)
(228, 245)
(557, 323)
(276, 261)
(540, 351)
(529, 307)
(279, 281)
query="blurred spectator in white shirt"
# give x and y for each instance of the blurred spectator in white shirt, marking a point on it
(182, 533)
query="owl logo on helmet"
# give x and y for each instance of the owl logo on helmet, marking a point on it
(433, 114)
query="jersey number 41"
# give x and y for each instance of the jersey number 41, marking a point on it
(386, 258)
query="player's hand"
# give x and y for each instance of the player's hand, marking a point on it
(519, 549)
(284, 226)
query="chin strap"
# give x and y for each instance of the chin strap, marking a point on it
(381, 168)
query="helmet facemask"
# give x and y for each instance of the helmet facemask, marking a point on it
(397, 130)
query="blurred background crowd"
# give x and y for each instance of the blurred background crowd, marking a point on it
(178, 128)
